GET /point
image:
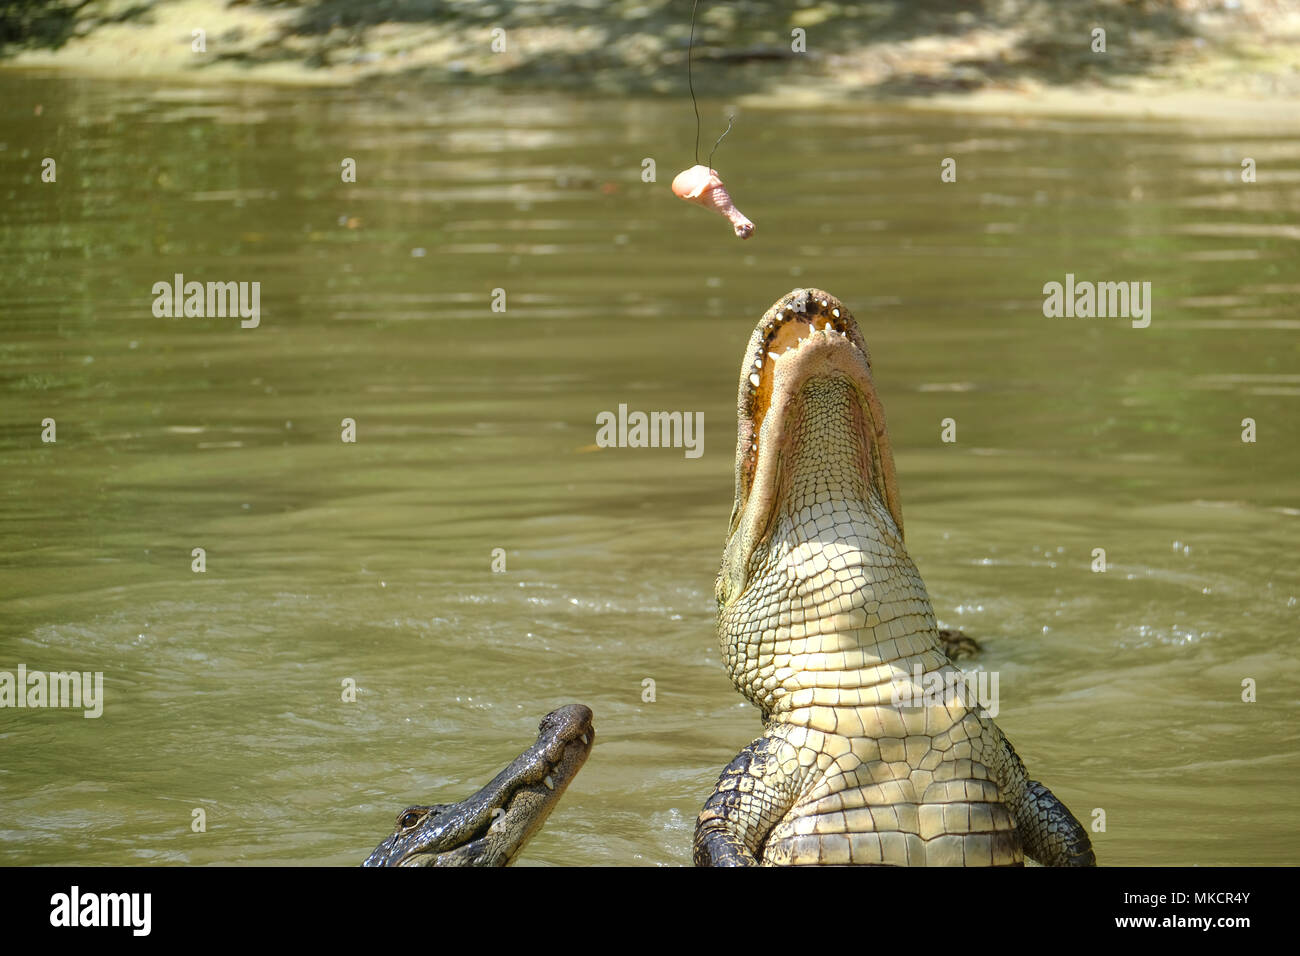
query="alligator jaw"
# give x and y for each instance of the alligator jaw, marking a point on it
(805, 337)
(492, 826)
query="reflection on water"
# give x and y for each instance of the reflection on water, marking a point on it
(372, 561)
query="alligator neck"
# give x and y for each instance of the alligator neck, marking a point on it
(853, 616)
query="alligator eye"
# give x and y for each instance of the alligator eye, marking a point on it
(409, 819)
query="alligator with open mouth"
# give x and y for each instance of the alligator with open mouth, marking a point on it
(826, 627)
(492, 826)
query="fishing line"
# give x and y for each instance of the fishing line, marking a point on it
(690, 83)
(720, 138)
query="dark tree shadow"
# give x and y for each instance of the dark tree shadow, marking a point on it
(37, 23)
(739, 44)
(49, 24)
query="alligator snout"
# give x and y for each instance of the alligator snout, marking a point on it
(491, 827)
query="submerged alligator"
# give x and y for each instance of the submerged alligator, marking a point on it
(492, 826)
(825, 624)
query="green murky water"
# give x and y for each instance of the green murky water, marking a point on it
(371, 561)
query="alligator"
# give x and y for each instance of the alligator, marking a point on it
(826, 627)
(492, 826)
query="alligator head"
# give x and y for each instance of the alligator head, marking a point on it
(815, 484)
(492, 826)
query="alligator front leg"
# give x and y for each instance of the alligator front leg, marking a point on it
(743, 808)
(1048, 831)
(958, 645)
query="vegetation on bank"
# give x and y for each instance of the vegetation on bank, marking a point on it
(906, 47)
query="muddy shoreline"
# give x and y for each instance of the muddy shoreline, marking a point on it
(1231, 61)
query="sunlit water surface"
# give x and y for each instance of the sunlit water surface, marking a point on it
(329, 561)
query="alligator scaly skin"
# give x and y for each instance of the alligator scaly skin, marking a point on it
(831, 617)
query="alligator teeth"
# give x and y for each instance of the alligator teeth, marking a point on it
(585, 740)
(549, 781)
(753, 379)
(835, 312)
